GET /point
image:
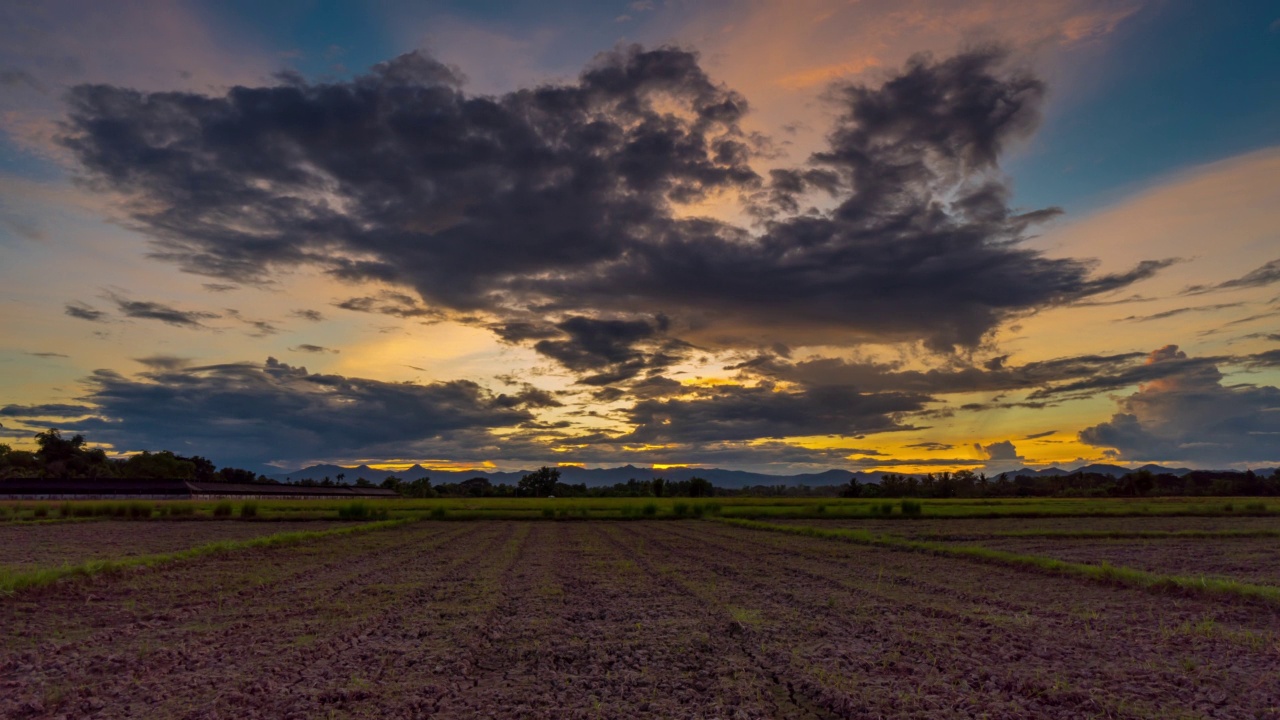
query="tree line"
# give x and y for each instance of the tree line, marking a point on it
(57, 456)
(1139, 483)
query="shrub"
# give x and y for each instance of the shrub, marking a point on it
(626, 511)
(821, 509)
(41, 511)
(712, 508)
(439, 513)
(183, 509)
(650, 509)
(84, 511)
(1228, 507)
(4, 513)
(360, 510)
(910, 508)
(249, 509)
(680, 509)
(120, 510)
(699, 510)
(66, 510)
(548, 512)
(224, 509)
(140, 510)
(1256, 507)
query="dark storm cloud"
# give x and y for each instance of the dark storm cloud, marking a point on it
(47, 410)
(735, 412)
(1267, 274)
(610, 351)
(251, 414)
(308, 348)
(147, 310)
(80, 310)
(1190, 416)
(559, 201)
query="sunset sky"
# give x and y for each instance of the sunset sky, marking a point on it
(771, 236)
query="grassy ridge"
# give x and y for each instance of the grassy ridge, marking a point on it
(13, 581)
(1103, 535)
(1103, 572)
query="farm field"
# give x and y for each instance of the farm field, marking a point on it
(31, 545)
(591, 619)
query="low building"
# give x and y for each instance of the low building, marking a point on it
(175, 489)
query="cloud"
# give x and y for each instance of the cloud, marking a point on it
(147, 310)
(57, 410)
(1267, 274)
(936, 446)
(610, 350)
(1046, 377)
(736, 412)
(164, 362)
(388, 303)
(260, 328)
(47, 355)
(219, 287)
(1179, 311)
(1187, 415)
(308, 348)
(308, 315)
(250, 414)
(565, 200)
(80, 310)
(1037, 436)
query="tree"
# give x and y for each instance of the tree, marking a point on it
(700, 487)
(540, 482)
(658, 485)
(852, 490)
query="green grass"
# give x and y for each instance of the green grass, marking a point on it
(1103, 572)
(13, 581)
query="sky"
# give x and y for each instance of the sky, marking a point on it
(772, 236)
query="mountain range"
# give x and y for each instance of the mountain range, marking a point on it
(720, 478)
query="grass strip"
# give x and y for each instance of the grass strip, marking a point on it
(1103, 572)
(1104, 535)
(14, 581)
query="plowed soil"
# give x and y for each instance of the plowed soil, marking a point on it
(622, 620)
(69, 543)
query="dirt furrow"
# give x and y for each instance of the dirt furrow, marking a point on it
(152, 637)
(965, 660)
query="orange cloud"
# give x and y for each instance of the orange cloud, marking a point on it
(827, 73)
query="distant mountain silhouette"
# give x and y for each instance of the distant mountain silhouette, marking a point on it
(593, 477)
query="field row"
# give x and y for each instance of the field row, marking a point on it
(589, 619)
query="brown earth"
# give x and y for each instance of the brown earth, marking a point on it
(31, 545)
(638, 619)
